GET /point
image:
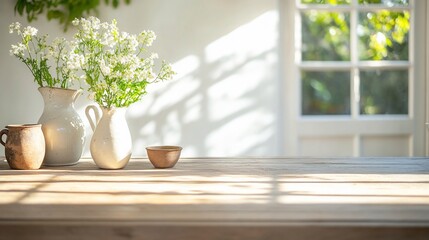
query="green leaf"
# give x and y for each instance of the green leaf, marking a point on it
(65, 11)
(19, 7)
(52, 14)
(30, 12)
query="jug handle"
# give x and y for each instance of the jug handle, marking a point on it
(96, 114)
(77, 94)
(3, 132)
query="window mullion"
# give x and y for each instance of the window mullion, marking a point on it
(354, 57)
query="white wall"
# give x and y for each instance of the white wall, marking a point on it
(225, 98)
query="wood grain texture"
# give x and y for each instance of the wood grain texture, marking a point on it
(220, 198)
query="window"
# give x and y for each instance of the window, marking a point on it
(351, 87)
(354, 57)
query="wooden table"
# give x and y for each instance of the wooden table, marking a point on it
(220, 198)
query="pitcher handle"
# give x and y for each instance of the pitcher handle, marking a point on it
(3, 132)
(96, 114)
(77, 94)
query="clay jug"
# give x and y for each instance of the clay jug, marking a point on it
(24, 146)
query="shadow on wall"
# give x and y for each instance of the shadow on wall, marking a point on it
(223, 100)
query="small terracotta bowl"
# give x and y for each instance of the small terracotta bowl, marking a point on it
(163, 156)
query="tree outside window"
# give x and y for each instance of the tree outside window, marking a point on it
(381, 33)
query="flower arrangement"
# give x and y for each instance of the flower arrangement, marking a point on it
(38, 56)
(115, 71)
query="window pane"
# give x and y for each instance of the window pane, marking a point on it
(383, 35)
(385, 2)
(330, 2)
(384, 92)
(325, 36)
(325, 93)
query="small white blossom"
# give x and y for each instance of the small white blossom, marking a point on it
(146, 38)
(74, 61)
(114, 57)
(44, 56)
(58, 41)
(39, 56)
(16, 26)
(114, 87)
(104, 69)
(104, 25)
(18, 50)
(29, 31)
(95, 22)
(75, 22)
(132, 42)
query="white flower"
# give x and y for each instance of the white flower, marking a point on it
(124, 36)
(104, 69)
(124, 59)
(29, 31)
(113, 57)
(16, 26)
(146, 38)
(132, 42)
(74, 61)
(11, 28)
(105, 25)
(58, 41)
(102, 85)
(18, 50)
(114, 87)
(86, 26)
(107, 40)
(95, 22)
(44, 56)
(75, 22)
(50, 63)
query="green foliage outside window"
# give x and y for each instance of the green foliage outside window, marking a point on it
(382, 35)
(325, 92)
(330, 2)
(339, 2)
(325, 36)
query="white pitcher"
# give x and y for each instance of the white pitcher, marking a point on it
(62, 127)
(111, 144)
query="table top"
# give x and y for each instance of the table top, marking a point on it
(260, 198)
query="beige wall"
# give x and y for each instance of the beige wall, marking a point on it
(224, 100)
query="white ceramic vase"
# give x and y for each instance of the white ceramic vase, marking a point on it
(62, 126)
(111, 144)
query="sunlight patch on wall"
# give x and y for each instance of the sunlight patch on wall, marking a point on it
(221, 103)
(186, 66)
(251, 39)
(193, 109)
(165, 94)
(241, 134)
(172, 130)
(236, 92)
(244, 85)
(157, 118)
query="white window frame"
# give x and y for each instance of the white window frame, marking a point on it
(290, 59)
